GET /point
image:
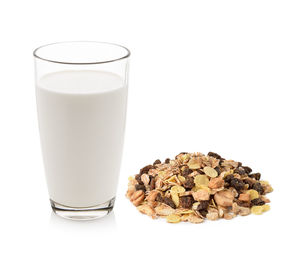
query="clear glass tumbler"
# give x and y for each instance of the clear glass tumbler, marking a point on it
(81, 94)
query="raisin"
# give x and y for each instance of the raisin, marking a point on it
(186, 171)
(159, 198)
(243, 203)
(228, 178)
(240, 164)
(215, 155)
(203, 205)
(255, 176)
(138, 178)
(189, 183)
(203, 213)
(167, 161)
(249, 182)
(258, 188)
(186, 201)
(140, 187)
(169, 202)
(146, 169)
(227, 185)
(247, 169)
(257, 202)
(218, 170)
(237, 184)
(182, 153)
(240, 170)
(152, 183)
(157, 162)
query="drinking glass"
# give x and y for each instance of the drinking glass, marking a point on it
(81, 94)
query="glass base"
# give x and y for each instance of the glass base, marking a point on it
(88, 213)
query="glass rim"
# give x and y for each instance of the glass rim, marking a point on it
(127, 55)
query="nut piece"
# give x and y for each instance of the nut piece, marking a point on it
(244, 211)
(137, 197)
(130, 191)
(212, 214)
(164, 210)
(201, 195)
(224, 198)
(152, 196)
(147, 209)
(229, 216)
(244, 197)
(216, 183)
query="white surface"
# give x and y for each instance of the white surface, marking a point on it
(205, 76)
(81, 120)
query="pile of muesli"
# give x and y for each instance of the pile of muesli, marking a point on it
(194, 186)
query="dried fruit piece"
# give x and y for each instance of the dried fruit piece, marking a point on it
(258, 187)
(253, 194)
(244, 197)
(266, 207)
(189, 183)
(255, 176)
(167, 161)
(156, 162)
(215, 155)
(146, 169)
(216, 183)
(257, 210)
(173, 218)
(186, 201)
(201, 195)
(247, 169)
(237, 184)
(257, 201)
(175, 198)
(209, 171)
(169, 202)
(203, 205)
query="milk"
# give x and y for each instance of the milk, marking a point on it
(81, 118)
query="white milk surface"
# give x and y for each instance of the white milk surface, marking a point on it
(81, 118)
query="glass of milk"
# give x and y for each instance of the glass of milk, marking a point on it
(81, 94)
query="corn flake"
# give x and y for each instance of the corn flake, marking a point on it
(209, 171)
(201, 180)
(173, 218)
(253, 194)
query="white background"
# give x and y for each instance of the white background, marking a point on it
(218, 76)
